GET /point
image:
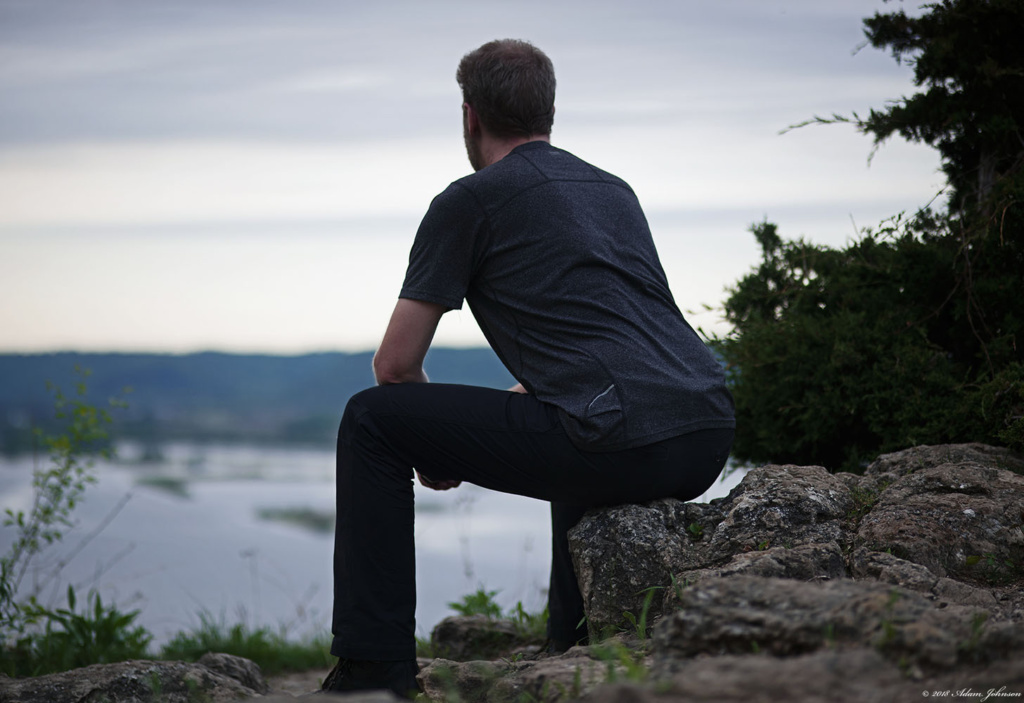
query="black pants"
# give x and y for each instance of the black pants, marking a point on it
(504, 441)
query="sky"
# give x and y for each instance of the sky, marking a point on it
(187, 175)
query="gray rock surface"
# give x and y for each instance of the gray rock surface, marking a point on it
(946, 520)
(953, 518)
(569, 676)
(469, 637)
(743, 614)
(923, 457)
(137, 682)
(859, 675)
(620, 552)
(240, 669)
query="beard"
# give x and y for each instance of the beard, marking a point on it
(473, 151)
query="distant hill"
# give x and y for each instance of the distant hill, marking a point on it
(215, 396)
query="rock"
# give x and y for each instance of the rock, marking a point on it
(240, 669)
(799, 585)
(916, 458)
(445, 679)
(782, 506)
(546, 679)
(742, 614)
(136, 682)
(620, 552)
(884, 567)
(859, 675)
(808, 562)
(470, 637)
(957, 519)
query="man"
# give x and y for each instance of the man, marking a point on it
(618, 399)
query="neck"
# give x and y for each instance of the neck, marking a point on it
(494, 149)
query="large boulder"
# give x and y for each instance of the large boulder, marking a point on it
(779, 521)
(799, 585)
(946, 520)
(222, 678)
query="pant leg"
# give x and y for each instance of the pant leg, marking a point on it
(504, 441)
(565, 604)
(491, 438)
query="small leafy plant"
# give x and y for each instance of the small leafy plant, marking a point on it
(640, 624)
(38, 639)
(99, 634)
(479, 603)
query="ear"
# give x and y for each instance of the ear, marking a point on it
(472, 119)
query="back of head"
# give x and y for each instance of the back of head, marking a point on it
(511, 85)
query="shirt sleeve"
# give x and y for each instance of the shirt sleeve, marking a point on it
(442, 256)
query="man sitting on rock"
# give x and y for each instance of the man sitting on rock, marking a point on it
(618, 400)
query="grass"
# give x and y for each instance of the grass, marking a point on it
(272, 651)
(105, 626)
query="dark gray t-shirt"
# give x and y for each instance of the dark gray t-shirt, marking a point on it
(557, 263)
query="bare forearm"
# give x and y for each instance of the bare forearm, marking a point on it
(399, 359)
(385, 375)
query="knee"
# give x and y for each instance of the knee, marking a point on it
(358, 413)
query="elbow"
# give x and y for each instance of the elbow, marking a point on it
(386, 372)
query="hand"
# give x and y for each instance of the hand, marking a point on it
(440, 485)
(518, 388)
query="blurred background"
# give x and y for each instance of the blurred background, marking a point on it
(213, 203)
(183, 176)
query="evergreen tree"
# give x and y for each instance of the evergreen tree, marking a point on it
(915, 333)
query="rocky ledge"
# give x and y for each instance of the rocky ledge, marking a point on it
(902, 583)
(800, 585)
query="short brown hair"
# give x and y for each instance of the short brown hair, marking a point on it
(511, 85)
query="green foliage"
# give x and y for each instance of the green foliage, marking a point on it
(99, 634)
(838, 355)
(479, 603)
(640, 624)
(622, 663)
(914, 333)
(425, 648)
(530, 626)
(968, 59)
(864, 500)
(56, 490)
(272, 651)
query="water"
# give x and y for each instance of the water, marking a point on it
(183, 535)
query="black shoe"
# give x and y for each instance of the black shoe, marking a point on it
(353, 675)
